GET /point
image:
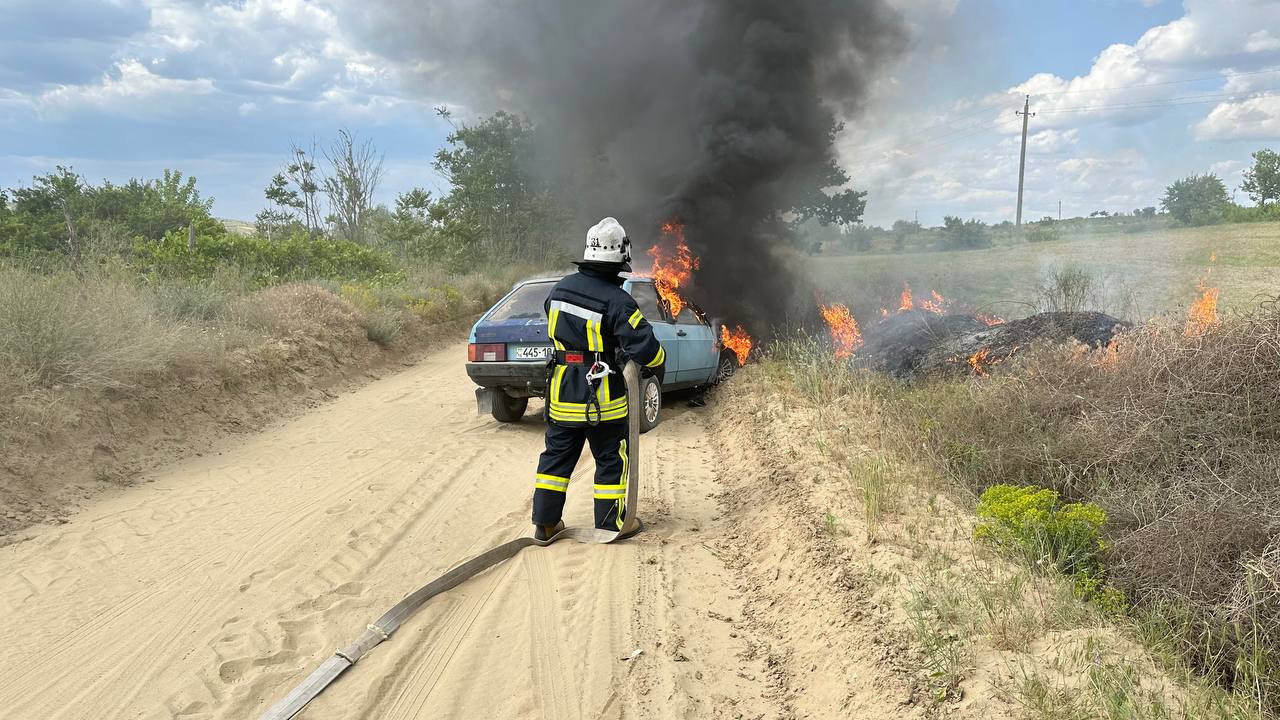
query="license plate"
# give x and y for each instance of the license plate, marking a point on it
(533, 352)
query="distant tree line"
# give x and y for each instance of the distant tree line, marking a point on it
(1194, 200)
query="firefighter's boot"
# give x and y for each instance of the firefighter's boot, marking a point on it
(546, 532)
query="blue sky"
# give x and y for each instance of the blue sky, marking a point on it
(124, 88)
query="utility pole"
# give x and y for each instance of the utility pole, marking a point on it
(1059, 210)
(1022, 162)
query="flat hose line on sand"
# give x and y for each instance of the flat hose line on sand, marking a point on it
(383, 627)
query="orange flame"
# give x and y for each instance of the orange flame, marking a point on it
(980, 361)
(937, 305)
(738, 341)
(1203, 313)
(671, 270)
(990, 319)
(1109, 356)
(844, 329)
(905, 303)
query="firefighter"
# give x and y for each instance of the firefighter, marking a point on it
(596, 327)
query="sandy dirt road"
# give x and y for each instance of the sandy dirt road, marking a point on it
(210, 590)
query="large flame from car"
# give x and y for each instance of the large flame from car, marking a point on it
(738, 341)
(673, 265)
(844, 329)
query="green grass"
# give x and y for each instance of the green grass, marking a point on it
(1158, 268)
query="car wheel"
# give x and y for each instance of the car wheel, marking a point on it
(726, 368)
(650, 403)
(508, 409)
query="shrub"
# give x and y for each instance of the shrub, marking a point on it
(965, 234)
(1043, 231)
(99, 331)
(1177, 440)
(1032, 522)
(298, 256)
(1233, 213)
(382, 325)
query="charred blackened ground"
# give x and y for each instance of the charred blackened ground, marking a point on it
(718, 113)
(918, 343)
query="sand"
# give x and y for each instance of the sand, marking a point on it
(214, 587)
(209, 590)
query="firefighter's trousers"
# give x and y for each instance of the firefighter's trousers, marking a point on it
(555, 466)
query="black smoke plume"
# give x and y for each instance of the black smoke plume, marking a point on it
(718, 113)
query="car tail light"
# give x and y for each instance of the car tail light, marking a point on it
(486, 352)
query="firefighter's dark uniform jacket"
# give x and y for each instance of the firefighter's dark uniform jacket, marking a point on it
(590, 317)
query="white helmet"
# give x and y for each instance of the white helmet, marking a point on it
(607, 242)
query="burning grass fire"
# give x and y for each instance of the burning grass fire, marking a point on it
(935, 303)
(1203, 313)
(844, 329)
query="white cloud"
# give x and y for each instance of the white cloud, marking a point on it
(1256, 118)
(1127, 82)
(130, 88)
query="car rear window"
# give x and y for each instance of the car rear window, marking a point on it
(523, 304)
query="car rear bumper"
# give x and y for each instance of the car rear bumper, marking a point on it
(517, 378)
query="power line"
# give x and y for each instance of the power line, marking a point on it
(1167, 102)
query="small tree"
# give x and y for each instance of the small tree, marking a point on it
(53, 208)
(1262, 181)
(355, 169)
(408, 230)
(496, 206)
(294, 191)
(1196, 200)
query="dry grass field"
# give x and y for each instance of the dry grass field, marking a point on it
(1136, 275)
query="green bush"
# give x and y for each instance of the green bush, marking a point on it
(1034, 524)
(1043, 231)
(382, 325)
(296, 257)
(964, 234)
(1261, 213)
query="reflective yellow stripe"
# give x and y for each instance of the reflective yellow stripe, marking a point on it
(603, 395)
(595, 342)
(552, 319)
(552, 482)
(555, 384)
(579, 416)
(579, 407)
(658, 359)
(611, 492)
(635, 318)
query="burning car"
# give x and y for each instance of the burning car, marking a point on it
(508, 349)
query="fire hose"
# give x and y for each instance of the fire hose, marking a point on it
(390, 621)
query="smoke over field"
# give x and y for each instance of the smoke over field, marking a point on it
(717, 113)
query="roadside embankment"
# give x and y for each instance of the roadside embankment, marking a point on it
(876, 589)
(109, 373)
